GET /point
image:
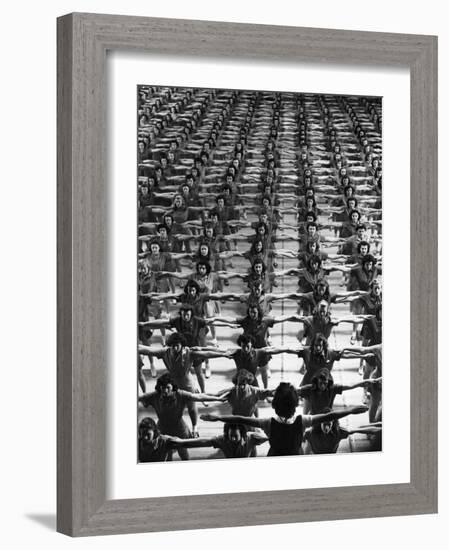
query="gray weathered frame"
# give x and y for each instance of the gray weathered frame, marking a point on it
(83, 40)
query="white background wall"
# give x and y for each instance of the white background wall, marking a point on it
(28, 240)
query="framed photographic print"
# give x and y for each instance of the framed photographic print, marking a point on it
(223, 226)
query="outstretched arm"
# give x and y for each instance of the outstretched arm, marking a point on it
(156, 296)
(354, 319)
(151, 351)
(329, 417)
(226, 275)
(283, 318)
(155, 323)
(362, 384)
(286, 296)
(230, 320)
(368, 430)
(357, 352)
(178, 443)
(348, 296)
(277, 350)
(205, 397)
(186, 275)
(236, 419)
(214, 353)
(227, 296)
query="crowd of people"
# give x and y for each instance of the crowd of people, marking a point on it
(259, 220)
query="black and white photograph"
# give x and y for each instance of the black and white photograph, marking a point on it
(259, 273)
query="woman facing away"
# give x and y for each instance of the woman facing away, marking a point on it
(285, 429)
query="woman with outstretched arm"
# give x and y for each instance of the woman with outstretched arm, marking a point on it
(284, 429)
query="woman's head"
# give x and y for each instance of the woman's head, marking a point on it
(368, 262)
(257, 246)
(243, 378)
(376, 287)
(261, 229)
(322, 380)
(311, 229)
(355, 216)
(314, 263)
(203, 268)
(234, 432)
(155, 246)
(258, 267)
(246, 342)
(168, 220)
(176, 341)
(178, 201)
(319, 344)
(165, 384)
(326, 427)
(148, 430)
(192, 288)
(322, 288)
(203, 250)
(254, 312)
(285, 400)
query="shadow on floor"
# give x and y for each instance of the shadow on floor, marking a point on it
(46, 520)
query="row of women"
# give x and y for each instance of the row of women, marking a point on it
(288, 188)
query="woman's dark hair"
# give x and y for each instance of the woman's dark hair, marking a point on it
(375, 282)
(352, 198)
(259, 225)
(258, 261)
(186, 307)
(326, 295)
(312, 198)
(319, 338)
(253, 250)
(191, 284)
(208, 226)
(148, 424)
(175, 339)
(155, 240)
(244, 339)
(164, 380)
(363, 243)
(243, 376)
(265, 197)
(346, 189)
(368, 258)
(183, 205)
(285, 400)
(323, 374)
(226, 187)
(354, 211)
(308, 243)
(207, 264)
(240, 427)
(208, 250)
(314, 259)
(335, 424)
(161, 226)
(308, 214)
(259, 310)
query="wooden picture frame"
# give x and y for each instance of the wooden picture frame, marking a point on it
(83, 40)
